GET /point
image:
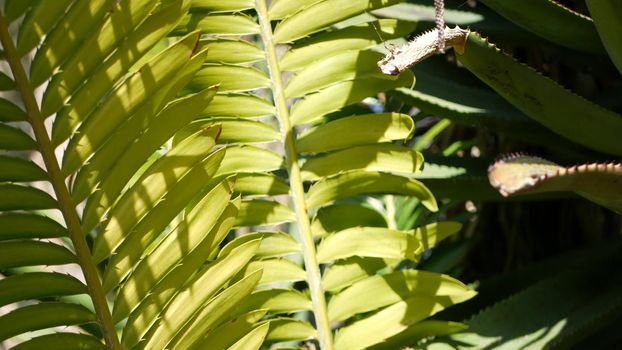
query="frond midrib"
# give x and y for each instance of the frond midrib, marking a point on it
(295, 181)
(65, 203)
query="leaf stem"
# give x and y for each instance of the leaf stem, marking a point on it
(65, 203)
(298, 194)
(390, 211)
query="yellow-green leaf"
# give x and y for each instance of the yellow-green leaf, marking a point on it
(258, 212)
(381, 291)
(356, 183)
(323, 14)
(314, 106)
(375, 242)
(357, 37)
(387, 158)
(356, 130)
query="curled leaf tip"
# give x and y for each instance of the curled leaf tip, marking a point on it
(521, 174)
(514, 172)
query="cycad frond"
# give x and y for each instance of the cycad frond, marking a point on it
(177, 122)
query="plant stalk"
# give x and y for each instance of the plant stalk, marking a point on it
(390, 211)
(65, 203)
(314, 277)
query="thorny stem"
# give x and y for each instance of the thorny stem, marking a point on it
(439, 19)
(298, 194)
(65, 203)
(422, 47)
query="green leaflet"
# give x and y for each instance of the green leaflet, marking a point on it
(195, 231)
(14, 9)
(289, 329)
(388, 158)
(608, 20)
(518, 174)
(183, 302)
(342, 66)
(188, 301)
(20, 170)
(9, 112)
(58, 46)
(216, 311)
(224, 6)
(543, 99)
(280, 9)
(258, 184)
(249, 159)
(228, 333)
(344, 273)
(393, 320)
(95, 50)
(229, 78)
(61, 341)
(357, 130)
(253, 340)
(136, 238)
(37, 22)
(430, 235)
(131, 297)
(135, 48)
(217, 25)
(43, 315)
(321, 15)
(372, 242)
(272, 244)
(38, 285)
(156, 182)
(546, 17)
(258, 212)
(232, 51)
(276, 270)
(16, 253)
(114, 164)
(381, 291)
(13, 139)
(239, 106)
(28, 225)
(6, 83)
(234, 130)
(16, 197)
(356, 37)
(314, 106)
(124, 100)
(354, 183)
(339, 217)
(122, 163)
(277, 300)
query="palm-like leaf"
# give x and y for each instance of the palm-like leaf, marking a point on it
(315, 69)
(148, 226)
(113, 122)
